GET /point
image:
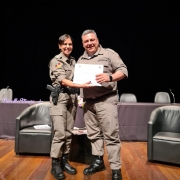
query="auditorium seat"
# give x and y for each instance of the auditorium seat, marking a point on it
(164, 135)
(162, 97)
(31, 140)
(127, 97)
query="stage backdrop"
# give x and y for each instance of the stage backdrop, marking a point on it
(144, 33)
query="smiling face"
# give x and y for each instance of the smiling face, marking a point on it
(90, 43)
(66, 47)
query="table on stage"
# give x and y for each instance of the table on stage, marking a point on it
(132, 117)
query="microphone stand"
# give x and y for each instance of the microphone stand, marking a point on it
(172, 95)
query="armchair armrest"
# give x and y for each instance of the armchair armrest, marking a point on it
(153, 127)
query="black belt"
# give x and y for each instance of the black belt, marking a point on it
(108, 94)
(70, 90)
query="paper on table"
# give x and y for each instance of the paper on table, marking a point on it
(42, 127)
(86, 72)
(79, 131)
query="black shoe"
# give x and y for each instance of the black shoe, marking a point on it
(97, 165)
(56, 170)
(116, 174)
(66, 166)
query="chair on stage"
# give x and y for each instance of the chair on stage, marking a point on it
(28, 139)
(6, 93)
(164, 135)
(127, 97)
(162, 97)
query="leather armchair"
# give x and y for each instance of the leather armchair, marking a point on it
(164, 135)
(27, 138)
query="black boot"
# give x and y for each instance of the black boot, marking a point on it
(66, 166)
(116, 174)
(97, 165)
(56, 170)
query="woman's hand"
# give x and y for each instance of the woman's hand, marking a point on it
(85, 85)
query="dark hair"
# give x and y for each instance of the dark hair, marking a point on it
(63, 38)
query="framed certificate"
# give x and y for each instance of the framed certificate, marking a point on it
(86, 72)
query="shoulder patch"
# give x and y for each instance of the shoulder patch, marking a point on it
(58, 65)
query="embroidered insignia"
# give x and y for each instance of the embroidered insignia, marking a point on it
(58, 65)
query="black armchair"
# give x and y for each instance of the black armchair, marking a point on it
(164, 135)
(31, 140)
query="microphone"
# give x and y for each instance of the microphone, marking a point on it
(172, 95)
(5, 92)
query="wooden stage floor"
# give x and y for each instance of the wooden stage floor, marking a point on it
(133, 156)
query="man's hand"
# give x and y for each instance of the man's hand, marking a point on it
(102, 77)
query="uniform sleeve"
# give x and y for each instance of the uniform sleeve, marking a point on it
(57, 72)
(117, 63)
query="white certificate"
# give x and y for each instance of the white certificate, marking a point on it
(86, 72)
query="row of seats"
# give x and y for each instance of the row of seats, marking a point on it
(160, 97)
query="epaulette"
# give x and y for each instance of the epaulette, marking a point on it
(110, 50)
(55, 57)
(58, 56)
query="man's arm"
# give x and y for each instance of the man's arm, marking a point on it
(118, 75)
(104, 77)
(118, 66)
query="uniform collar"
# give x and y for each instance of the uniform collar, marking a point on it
(62, 57)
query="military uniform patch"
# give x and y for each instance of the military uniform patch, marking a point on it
(58, 65)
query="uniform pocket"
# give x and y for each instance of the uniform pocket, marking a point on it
(68, 71)
(105, 63)
(55, 109)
